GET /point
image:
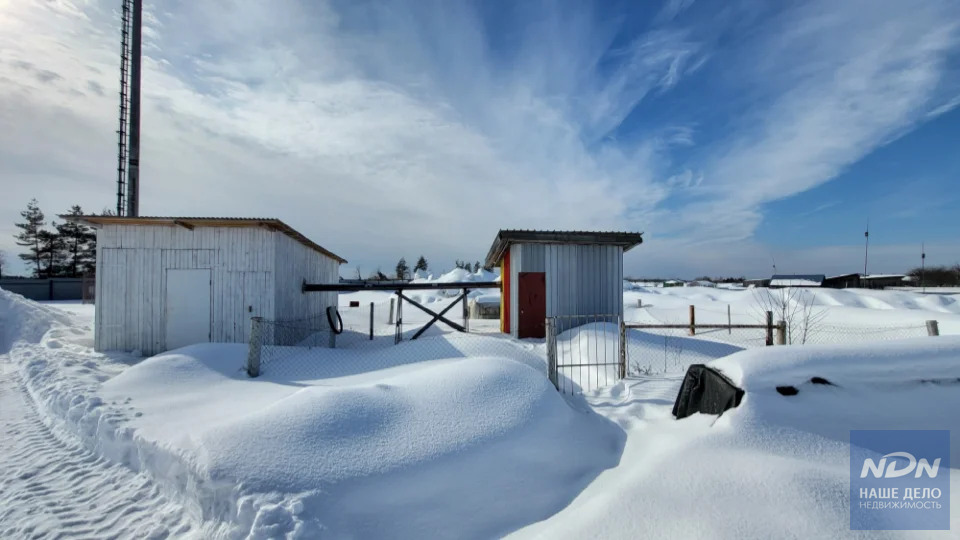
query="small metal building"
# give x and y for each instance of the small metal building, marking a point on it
(554, 273)
(166, 282)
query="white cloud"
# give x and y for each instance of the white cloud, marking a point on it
(382, 131)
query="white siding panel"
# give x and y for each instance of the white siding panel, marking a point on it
(131, 280)
(581, 279)
(294, 264)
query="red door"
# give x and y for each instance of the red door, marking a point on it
(532, 303)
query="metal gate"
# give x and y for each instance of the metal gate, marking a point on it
(585, 352)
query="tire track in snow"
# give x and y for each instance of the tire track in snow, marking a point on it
(54, 489)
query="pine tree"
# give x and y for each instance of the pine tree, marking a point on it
(402, 268)
(77, 239)
(476, 267)
(53, 253)
(3, 261)
(421, 264)
(29, 235)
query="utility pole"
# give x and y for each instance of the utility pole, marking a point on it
(923, 260)
(866, 248)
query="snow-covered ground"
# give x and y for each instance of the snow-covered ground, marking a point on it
(453, 436)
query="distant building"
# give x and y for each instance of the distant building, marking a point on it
(843, 281)
(674, 283)
(880, 281)
(758, 282)
(797, 280)
(701, 283)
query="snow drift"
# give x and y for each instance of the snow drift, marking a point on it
(476, 445)
(776, 466)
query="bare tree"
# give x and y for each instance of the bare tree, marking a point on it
(794, 306)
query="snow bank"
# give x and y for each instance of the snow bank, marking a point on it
(901, 362)
(473, 443)
(26, 321)
(775, 467)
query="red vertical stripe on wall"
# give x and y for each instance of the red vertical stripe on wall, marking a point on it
(505, 292)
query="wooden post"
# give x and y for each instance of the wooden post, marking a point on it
(623, 349)
(253, 353)
(693, 321)
(769, 328)
(371, 321)
(933, 329)
(782, 333)
(639, 302)
(552, 353)
(393, 302)
(466, 312)
(729, 322)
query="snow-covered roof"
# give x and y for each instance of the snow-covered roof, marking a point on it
(192, 222)
(505, 237)
(797, 280)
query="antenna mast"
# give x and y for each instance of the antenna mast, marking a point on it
(128, 133)
(133, 157)
(125, 10)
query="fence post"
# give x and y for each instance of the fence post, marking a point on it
(933, 328)
(769, 328)
(729, 323)
(253, 353)
(623, 349)
(466, 312)
(371, 321)
(552, 353)
(693, 321)
(639, 302)
(393, 302)
(782, 333)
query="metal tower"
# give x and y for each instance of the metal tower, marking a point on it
(128, 134)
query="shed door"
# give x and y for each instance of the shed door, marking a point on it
(532, 303)
(188, 307)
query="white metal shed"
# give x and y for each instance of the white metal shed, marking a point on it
(166, 282)
(554, 273)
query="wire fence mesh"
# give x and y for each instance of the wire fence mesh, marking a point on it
(652, 350)
(273, 341)
(828, 334)
(361, 325)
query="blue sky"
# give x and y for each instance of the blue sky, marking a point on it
(731, 133)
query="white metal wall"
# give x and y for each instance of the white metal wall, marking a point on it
(131, 280)
(581, 279)
(295, 263)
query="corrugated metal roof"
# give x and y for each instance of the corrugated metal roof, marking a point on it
(191, 222)
(505, 237)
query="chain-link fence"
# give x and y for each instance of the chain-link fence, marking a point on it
(296, 351)
(271, 341)
(361, 325)
(829, 334)
(672, 348)
(652, 350)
